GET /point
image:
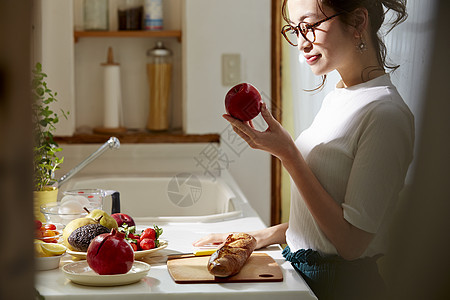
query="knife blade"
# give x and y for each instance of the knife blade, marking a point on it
(198, 252)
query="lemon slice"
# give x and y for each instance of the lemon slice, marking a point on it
(53, 249)
(38, 249)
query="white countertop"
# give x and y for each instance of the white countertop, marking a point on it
(158, 284)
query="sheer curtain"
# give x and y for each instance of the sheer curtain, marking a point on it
(408, 46)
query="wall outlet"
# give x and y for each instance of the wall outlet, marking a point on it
(231, 69)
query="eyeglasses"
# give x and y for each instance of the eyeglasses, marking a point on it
(306, 29)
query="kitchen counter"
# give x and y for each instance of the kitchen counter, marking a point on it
(158, 284)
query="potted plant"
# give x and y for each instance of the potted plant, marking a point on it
(46, 161)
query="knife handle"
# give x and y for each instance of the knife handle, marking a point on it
(204, 252)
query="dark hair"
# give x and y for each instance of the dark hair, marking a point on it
(376, 12)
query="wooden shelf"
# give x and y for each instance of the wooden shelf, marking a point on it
(128, 33)
(139, 137)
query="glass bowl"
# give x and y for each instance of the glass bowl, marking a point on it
(90, 197)
(48, 235)
(58, 213)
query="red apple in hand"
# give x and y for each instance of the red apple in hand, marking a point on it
(123, 218)
(243, 102)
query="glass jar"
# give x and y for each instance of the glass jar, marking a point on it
(130, 14)
(96, 15)
(159, 72)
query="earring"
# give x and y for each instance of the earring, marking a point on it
(362, 46)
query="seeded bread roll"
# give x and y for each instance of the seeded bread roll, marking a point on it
(229, 259)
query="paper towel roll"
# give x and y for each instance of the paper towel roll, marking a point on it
(112, 96)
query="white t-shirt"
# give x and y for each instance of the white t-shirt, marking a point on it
(359, 147)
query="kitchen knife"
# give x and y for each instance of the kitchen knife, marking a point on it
(197, 252)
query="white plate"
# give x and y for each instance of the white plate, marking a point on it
(80, 272)
(137, 254)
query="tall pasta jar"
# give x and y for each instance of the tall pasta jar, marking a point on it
(159, 72)
(96, 15)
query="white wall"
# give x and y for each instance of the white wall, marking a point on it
(215, 27)
(210, 28)
(53, 47)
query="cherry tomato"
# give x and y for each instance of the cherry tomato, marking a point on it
(37, 224)
(49, 233)
(50, 226)
(40, 232)
(47, 236)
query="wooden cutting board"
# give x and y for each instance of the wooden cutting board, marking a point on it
(260, 267)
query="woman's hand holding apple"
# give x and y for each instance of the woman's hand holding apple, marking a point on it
(275, 139)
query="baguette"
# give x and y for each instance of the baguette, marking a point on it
(229, 259)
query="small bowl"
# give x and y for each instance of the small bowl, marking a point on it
(47, 263)
(53, 213)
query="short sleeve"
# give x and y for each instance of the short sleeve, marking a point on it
(383, 154)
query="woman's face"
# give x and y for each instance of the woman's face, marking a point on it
(334, 46)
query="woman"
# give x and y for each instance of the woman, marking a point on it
(348, 168)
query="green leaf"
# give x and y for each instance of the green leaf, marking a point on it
(158, 230)
(44, 119)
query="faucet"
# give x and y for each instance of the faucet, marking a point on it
(113, 142)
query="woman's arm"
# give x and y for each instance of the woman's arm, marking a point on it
(349, 241)
(264, 237)
(272, 235)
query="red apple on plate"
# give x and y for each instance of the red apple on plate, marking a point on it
(123, 218)
(243, 102)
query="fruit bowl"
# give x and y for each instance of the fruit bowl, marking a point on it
(58, 212)
(137, 254)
